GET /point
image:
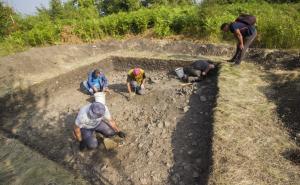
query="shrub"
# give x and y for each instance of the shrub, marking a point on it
(277, 24)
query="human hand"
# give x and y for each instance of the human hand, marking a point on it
(241, 46)
(77, 137)
(95, 89)
(121, 134)
(203, 73)
(143, 86)
(106, 90)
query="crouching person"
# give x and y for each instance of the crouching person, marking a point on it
(92, 118)
(196, 70)
(136, 81)
(97, 82)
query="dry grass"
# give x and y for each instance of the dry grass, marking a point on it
(248, 135)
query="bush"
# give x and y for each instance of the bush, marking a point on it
(277, 24)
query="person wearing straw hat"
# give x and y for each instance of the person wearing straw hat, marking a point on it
(94, 117)
(97, 82)
(196, 70)
(136, 81)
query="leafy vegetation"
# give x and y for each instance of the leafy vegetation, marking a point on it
(86, 21)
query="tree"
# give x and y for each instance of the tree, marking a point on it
(56, 9)
(7, 20)
(114, 6)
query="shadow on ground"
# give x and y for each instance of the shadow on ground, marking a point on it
(284, 91)
(24, 116)
(192, 139)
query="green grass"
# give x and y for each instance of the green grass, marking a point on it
(277, 25)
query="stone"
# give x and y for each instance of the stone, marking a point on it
(140, 145)
(110, 144)
(187, 167)
(153, 80)
(203, 98)
(181, 183)
(186, 108)
(190, 152)
(190, 134)
(168, 165)
(149, 154)
(160, 125)
(167, 123)
(195, 174)
(143, 181)
(181, 151)
(175, 178)
(198, 161)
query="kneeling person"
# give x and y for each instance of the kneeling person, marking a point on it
(94, 117)
(136, 81)
(196, 70)
(97, 82)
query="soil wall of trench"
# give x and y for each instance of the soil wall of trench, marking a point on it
(23, 114)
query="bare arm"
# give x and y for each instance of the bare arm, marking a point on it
(206, 71)
(239, 36)
(128, 87)
(113, 125)
(77, 133)
(143, 83)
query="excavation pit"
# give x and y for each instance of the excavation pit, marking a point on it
(169, 130)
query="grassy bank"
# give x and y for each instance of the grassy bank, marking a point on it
(249, 137)
(277, 25)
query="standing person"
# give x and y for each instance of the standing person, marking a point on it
(136, 81)
(197, 69)
(94, 117)
(97, 82)
(245, 32)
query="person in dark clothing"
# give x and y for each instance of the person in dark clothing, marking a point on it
(245, 34)
(196, 70)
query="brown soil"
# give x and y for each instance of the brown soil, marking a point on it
(176, 134)
(168, 128)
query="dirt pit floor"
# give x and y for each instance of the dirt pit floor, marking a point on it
(169, 129)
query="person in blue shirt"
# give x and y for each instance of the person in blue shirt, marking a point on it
(97, 82)
(244, 33)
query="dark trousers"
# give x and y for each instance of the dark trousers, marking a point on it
(240, 53)
(88, 138)
(136, 88)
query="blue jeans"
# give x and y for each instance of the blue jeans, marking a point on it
(136, 88)
(91, 90)
(88, 139)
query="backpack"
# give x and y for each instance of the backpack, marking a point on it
(246, 19)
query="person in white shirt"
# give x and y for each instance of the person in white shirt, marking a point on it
(94, 117)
